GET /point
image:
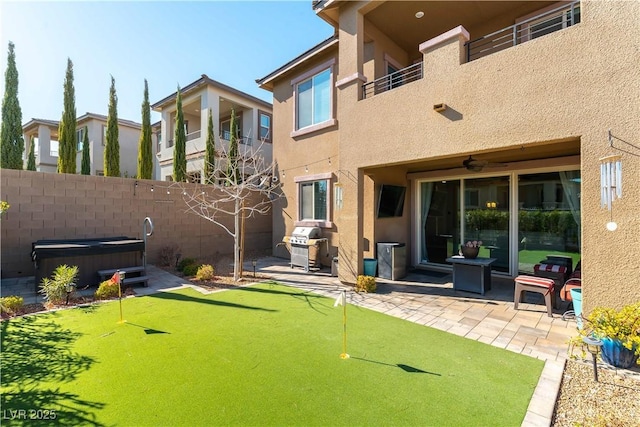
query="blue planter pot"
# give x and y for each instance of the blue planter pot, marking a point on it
(576, 297)
(615, 354)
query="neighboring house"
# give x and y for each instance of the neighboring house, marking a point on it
(46, 143)
(434, 123)
(156, 132)
(204, 94)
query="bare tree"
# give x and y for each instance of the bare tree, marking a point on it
(228, 197)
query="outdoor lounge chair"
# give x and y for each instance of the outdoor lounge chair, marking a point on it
(575, 281)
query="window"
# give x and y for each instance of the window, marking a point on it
(80, 138)
(99, 173)
(313, 100)
(313, 201)
(225, 128)
(159, 138)
(104, 134)
(53, 148)
(265, 126)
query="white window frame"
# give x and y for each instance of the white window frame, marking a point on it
(303, 78)
(268, 138)
(308, 179)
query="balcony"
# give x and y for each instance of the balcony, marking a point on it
(396, 21)
(393, 80)
(528, 29)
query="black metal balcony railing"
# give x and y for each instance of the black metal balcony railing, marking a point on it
(529, 29)
(393, 80)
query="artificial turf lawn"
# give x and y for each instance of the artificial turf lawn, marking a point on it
(261, 355)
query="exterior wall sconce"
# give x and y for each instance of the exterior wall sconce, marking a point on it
(439, 107)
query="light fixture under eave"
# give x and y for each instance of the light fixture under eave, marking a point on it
(419, 14)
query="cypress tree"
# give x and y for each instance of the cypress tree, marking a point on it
(67, 128)
(112, 144)
(232, 162)
(210, 153)
(145, 160)
(85, 168)
(11, 139)
(31, 162)
(180, 143)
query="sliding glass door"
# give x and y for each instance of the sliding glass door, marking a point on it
(486, 218)
(439, 220)
(543, 221)
(485, 209)
(548, 217)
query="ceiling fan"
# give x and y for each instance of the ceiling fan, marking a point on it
(476, 165)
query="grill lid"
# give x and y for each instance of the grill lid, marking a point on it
(302, 235)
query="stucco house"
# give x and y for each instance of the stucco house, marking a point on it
(45, 133)
(434, 123)
(204, 94)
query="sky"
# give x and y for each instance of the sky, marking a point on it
(167, 43)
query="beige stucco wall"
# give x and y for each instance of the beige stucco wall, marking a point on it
(570, 85)
(63, 206)
(301, 156)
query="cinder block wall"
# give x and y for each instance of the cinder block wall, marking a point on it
(64, 206)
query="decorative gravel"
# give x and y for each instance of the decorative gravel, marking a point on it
(613, 401)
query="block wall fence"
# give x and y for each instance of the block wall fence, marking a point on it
(65, 206)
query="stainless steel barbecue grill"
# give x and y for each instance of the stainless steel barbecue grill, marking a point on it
(301, 241)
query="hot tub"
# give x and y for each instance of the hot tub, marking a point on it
(90, 255)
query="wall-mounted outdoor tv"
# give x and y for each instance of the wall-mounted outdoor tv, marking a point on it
(391, 201)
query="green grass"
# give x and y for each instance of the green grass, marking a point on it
(264, 355)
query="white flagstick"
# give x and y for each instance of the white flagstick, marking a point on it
(342, 300)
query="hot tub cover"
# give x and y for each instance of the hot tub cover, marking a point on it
(42, 249)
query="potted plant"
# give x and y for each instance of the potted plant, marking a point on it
(619, 331)
(470, 249)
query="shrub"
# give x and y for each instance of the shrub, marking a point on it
(366, 284)
(184, 262)
(107, 289)
(167, 255)
(55, 288)
(11, 304)
(205, 272)
(191, 269)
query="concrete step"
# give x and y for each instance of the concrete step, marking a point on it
(131, 280)
(106, 274)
